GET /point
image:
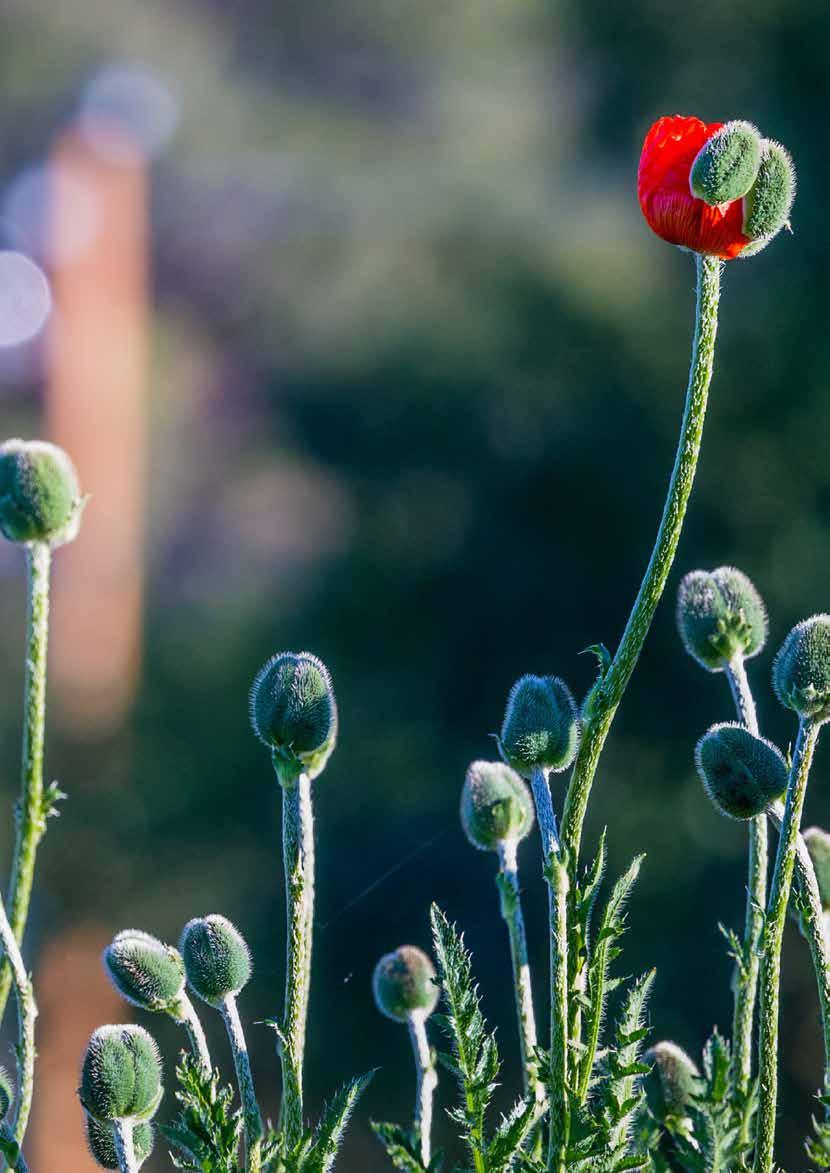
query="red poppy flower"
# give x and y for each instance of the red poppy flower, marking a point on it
(668, 205)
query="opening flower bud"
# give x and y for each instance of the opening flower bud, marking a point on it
(6, 1093)
(144, 970)
(726, 165)
(217, 960)
(404, 983)
(121, 1074)
(741, 773)
(720, 615)
(541, 727)
(496, 805)
(818, 845)
(40, 500)
(101, 1142)
(801, 673)
(673, 1082)
(293, 710)
(768, 203)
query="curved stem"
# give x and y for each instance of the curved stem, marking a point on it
(31, 810)
(298, 863)
(11, 1151)
(189, 1019)
(122, 1131)
(773, 938)
(27, 1013)
(511, 911)
(245, 1081)
(746, 972)
(609, 692)
(427, 1081)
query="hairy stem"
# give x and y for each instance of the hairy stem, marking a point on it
(11, 1151)
(426, 1083)
(26, 1014)
(245, 1081)
(511, 911)
(186, 1015)
(31, 812)
(556, 876)
(609, 692)
(746, 973)
(772, 941)
(122, 1131)
(298, 862)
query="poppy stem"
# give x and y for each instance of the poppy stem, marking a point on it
(611, 688)
(26, 1015)
(122, 1132)
(427, 1082)
(511, 910)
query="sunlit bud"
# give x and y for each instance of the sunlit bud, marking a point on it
(101, 1142)
(818, 845)
(541, 727)
(217, 960)
(293, 710)
(720, 615)
(726, 165)
(673, 1081)
(741, 773)
(40, 500)
(121, 1074)
(144, 970)
(404, 983)
(496, 805)
(768, 203)
(801, 673)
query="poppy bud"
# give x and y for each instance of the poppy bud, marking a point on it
(293, 710)
(741, 773)
(217, 960)
(495, 805)
(726, 165)
(121, 1074)
(6, 1093)
(144, 970)
(818, 845)
(768, 203)
(40, 500)
(673, 1082)
(540, 727)
(720, 615)
(801, 672)
(102, 1142)
(404, 983)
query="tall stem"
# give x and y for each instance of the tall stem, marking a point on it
(556, 876)
(122, 1131)
(298, 862)
(746, 972)
(610, 691)
(189, 1019)
(245, 1081)
(26, 1013)
(426, 1083)
(31, 810)
(511, 911)
(776, 916)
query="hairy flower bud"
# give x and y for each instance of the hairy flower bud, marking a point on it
(540, 727)
(404, 983)
(720, 615)
(496, 805)
(6, 1092)
(673, 1082)
(217, 960)
(768, 203)
(818, 845)
(121, 1074)
(726, 165)
(801, 672)
(101, 1142)
(40, 500)
(293, 710)
(741, 773)
(144, 970)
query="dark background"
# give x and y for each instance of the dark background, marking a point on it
(416, 368)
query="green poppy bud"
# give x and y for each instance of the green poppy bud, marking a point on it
(144, 970)
(741, 773)
(40, 500)
(121, 1074)
(768, 203)
(818, 845)
(673, 1082)
(541, 727)
(6, 1092)
(801, 673)
(404, 983)
(217, 960)
(720, 615)
(293, 710)
(727, 164)
(101, 1142)
(496, 805)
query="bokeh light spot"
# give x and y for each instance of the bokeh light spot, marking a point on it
(25, 299)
